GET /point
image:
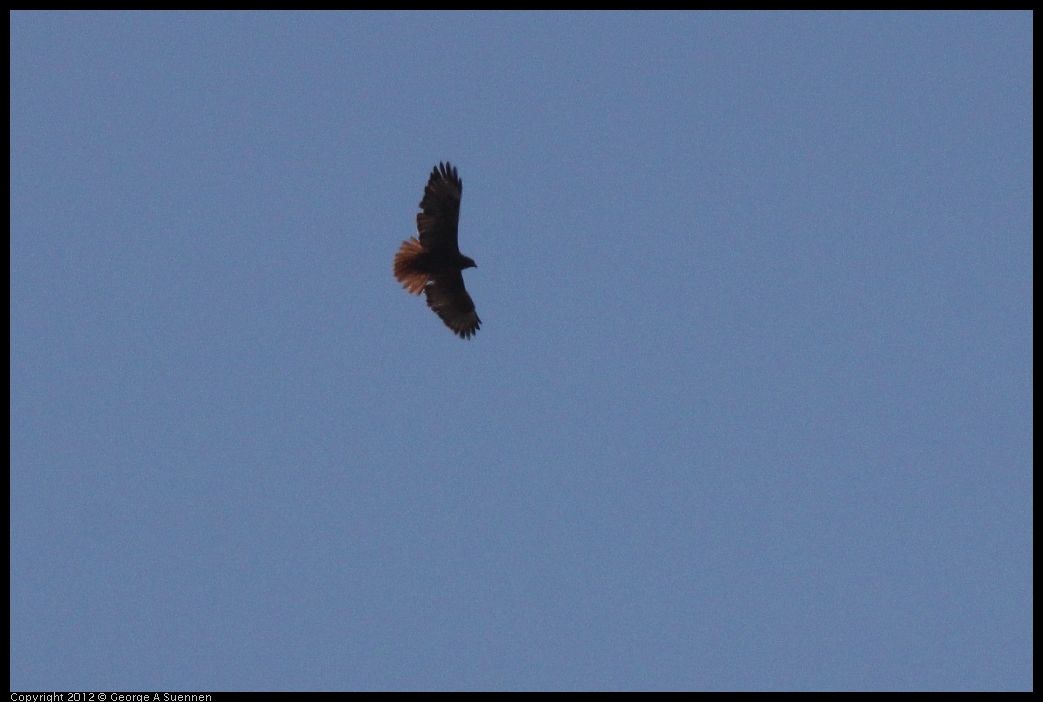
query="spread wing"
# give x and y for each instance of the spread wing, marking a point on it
(448, 297)
(436, 225)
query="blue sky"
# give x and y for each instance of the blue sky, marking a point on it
(750, 408)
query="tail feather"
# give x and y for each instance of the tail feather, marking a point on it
(406, 270)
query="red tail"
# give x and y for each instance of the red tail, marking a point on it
(406, 271)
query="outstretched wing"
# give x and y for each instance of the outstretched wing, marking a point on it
(436, 225)
(448, 297)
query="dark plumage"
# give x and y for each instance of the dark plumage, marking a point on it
(433, 262)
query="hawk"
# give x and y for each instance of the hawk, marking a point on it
(432, 263)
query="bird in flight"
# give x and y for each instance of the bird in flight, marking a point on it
(433, 264)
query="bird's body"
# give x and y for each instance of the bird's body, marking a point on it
(432, 263)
